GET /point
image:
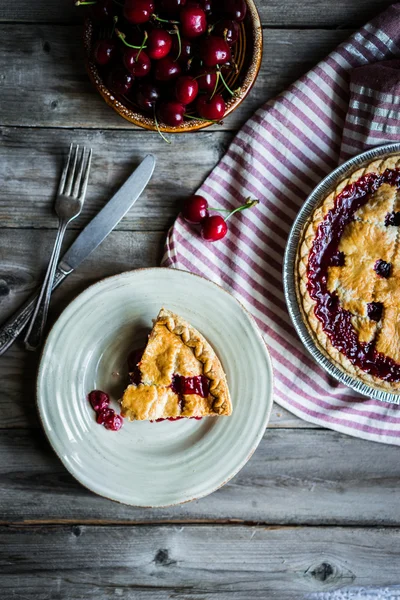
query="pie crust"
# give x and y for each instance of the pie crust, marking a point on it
(364, 280)
(176, 351)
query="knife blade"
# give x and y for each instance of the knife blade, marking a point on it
(87, 241)
(115, 209)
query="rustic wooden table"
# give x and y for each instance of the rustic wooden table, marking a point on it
(313, 510)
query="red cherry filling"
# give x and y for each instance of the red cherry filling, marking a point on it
(374, 311)
(183, 386)
(337, 259)
(382, 268)
(336, 321)
(104, 414)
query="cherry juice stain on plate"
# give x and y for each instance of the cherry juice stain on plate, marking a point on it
(104, 414)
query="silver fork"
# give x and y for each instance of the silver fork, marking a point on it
(70, 198)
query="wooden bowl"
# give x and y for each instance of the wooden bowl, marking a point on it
(247, 53)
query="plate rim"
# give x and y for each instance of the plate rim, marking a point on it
(262, 428)
(289, 261)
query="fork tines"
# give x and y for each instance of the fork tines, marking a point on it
(75, 176)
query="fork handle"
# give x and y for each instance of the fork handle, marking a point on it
(13, 327)
(36, 327)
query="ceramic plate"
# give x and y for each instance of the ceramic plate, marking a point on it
(150, 464)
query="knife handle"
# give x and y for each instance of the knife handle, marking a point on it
(12, 328)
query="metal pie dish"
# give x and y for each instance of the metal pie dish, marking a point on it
(315, 199)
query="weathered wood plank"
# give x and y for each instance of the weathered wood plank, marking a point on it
(23, 256)
(314, 13)
(193, 562)
(31, 162)
(296, 476)
(44, 66)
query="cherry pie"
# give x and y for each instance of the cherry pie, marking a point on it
(348, 275)
(178, 376)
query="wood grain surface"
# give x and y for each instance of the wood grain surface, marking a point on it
(313, 511)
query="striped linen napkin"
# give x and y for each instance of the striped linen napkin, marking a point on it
(348, 102)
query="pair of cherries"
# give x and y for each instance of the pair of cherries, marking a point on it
(212, 227)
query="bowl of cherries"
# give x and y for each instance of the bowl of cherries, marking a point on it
(173, 65)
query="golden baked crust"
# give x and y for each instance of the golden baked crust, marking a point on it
(365, 240)
(176, 348)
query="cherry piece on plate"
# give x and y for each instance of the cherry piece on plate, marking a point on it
(120, 81)
(193, 21)
(233, 9)
(195, 209)
(113, 422)
(138, 11)
(214, 51)
(99, 400)
(227, 29)
(212, 109)
(213, 228)
(104, 414)
(186, 89)
(159, 44)
(207, 79)
(146, 96)
(171, 113)
(137, 62)
(103, 52)
(167, 69)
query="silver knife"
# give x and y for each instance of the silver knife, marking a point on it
(87, 241)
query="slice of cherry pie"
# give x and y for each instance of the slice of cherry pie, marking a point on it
(178, 376)
(348, 274)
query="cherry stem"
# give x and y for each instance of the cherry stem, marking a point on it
(176, 31)
(122, 37)
(201, 119)
(248, 204)
(216, 84)
(115, 21)
(224, 82)
(164, 20)
(158, 128)
(142, 46)
(82, 3)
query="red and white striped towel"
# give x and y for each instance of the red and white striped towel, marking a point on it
(339, 108)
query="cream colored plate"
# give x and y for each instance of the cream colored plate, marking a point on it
(150, 464)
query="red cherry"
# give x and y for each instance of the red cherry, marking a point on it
(195, 209)
(193, 21)
(213, 228)
(171, 113)
(120, 81)
(159, 44)
(229, 30)
(186, 49)
(206, 5)
(212, 109)
(233, 9)
(138, 11)
(103, 52)
(137, 62)
(146, 96)
(170, 8)
(103, 415)
(99, 400)
(214, 51)
(207, 80)
(167, 69)
(186, 89)
(103, 10)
